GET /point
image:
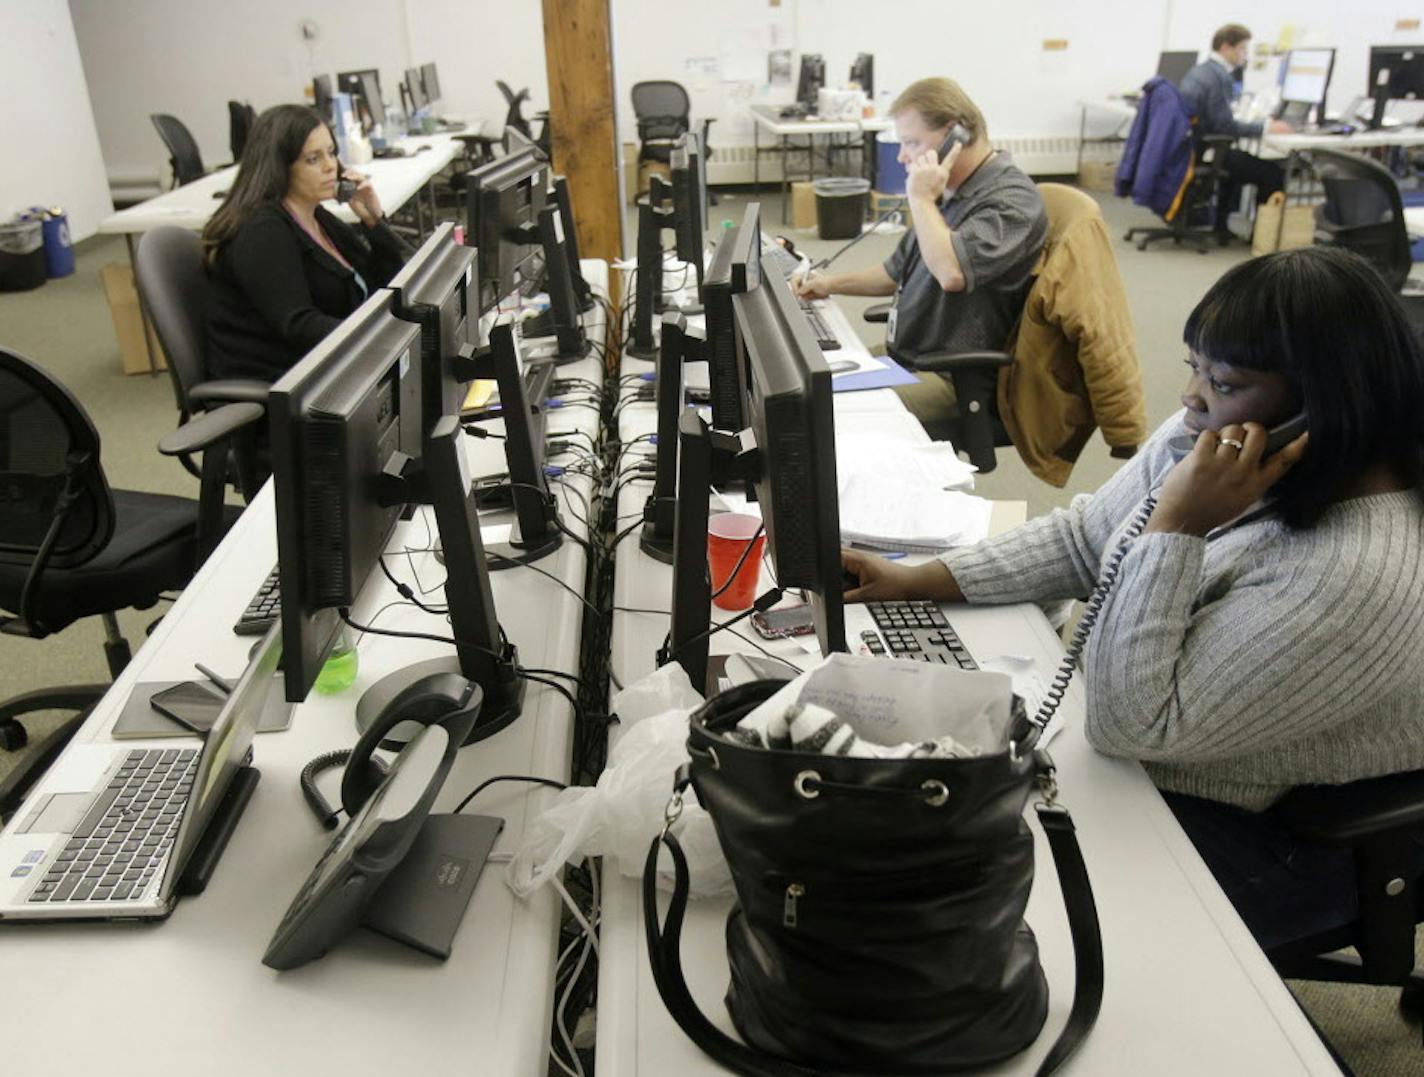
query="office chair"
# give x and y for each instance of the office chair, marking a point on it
(663, 111)
(72, 546)
(173, 280)
(1089, 367)
(515, 118)
(1363, 213)
(183, 152)
(1193, 218)
(240, 118)
(1382, 821)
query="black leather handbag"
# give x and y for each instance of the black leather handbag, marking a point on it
(879, 922)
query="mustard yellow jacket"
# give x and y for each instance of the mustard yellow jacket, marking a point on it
(1075, 362)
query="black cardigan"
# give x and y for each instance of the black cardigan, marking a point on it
(273, 293)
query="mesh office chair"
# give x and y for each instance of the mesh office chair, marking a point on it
(1363, 213)
(514, 117)
(183, 152)
(663, 111)
(173, 280)
(240, 118)
(72, 547)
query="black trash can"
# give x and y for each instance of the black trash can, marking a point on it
(22, 258)
(840, 206)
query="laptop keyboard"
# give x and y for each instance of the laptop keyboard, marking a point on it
(126, 837)
(915, 630)
(824, 334)
(264, 609)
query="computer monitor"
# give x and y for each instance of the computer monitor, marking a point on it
(862, 73)
(435, 290)
(791, 463)
(1173, 66)
(564, 201)
(502, 204)
(1305, 77)
(415, 88)
(735, 267)
(689, 200)
(347, 425)
(338, 417)
(810, 80)
(1396, 72)
(431, 81)
(321, 97)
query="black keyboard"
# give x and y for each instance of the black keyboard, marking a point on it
(824, 334)
(915, 630)
(264, 610)
(125, 838)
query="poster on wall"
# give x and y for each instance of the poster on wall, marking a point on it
(778, 67)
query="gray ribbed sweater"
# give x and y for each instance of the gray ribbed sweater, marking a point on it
(1236, 666)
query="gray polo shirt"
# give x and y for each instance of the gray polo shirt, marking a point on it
(998, 225)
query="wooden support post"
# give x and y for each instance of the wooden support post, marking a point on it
(578, 50)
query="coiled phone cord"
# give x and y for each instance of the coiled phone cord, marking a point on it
(1094, 608)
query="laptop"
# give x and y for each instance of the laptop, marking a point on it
(108, 830)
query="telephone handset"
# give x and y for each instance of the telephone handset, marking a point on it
(958, 136)
(345, 188)
(1277, 438)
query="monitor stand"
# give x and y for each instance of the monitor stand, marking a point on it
(678, 345)
(481, 654)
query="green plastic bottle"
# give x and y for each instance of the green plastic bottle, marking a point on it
(339, 672)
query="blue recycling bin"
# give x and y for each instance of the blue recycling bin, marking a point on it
(889, 172)
(58, 251)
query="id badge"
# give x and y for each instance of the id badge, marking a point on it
(894, 317)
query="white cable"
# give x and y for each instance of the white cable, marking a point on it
(575, 911)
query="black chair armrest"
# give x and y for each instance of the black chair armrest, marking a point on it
(230, 391)
(201, 431)
(1350, 814)
(956, 362)
(880, 312)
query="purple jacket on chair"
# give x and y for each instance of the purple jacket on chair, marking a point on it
(1157, 160)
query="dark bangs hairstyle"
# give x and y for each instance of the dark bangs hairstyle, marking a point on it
(1326, 320)
(273, 145)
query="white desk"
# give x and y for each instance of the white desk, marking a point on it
(1187, 993)
(768, 118)
(190, 995)
(1360, 140)
(1117, 108)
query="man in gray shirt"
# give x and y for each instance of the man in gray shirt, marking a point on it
(1206, 91)
(960, 275)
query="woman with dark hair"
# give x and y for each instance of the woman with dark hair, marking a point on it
(1266, 629)
(283, 271)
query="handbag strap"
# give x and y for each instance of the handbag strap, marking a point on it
(664, 953)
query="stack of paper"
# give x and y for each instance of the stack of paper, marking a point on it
(928, 466)
(889, 512)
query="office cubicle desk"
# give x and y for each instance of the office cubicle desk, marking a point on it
(190, 995)
(396, 180)
(1187, 990)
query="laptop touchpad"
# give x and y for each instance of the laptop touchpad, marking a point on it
(58, 813)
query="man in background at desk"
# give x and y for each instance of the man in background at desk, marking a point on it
(1206, 91)
(960, 274)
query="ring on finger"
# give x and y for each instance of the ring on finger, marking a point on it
(1238, 446)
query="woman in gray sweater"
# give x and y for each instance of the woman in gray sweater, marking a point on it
(1266, 629)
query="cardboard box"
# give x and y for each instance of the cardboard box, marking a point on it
(1097, 175)
(803, 205)
(122, 294)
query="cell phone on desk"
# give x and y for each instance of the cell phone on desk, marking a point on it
(1277, 438)
(958, 136)
(784, 623)
(191, 704)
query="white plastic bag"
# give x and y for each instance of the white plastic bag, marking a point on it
(619, 817)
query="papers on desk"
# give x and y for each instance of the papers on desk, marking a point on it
(899, 496)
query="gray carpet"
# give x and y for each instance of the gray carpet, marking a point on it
(65, 326)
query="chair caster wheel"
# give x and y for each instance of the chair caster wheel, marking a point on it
(13, 736)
